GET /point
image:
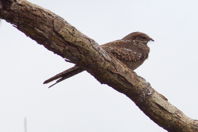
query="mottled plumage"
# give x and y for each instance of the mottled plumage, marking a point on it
(132, 50)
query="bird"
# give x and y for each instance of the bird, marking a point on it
(132, 50)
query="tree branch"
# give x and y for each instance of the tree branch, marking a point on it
(59, 36)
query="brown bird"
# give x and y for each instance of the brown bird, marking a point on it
(132, 50)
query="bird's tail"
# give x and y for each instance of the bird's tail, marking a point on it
(64, 75)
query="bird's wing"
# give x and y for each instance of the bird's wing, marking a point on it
(124, 53)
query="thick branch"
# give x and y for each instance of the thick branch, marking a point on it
(58, 36)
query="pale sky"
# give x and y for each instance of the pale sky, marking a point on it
(81, 103)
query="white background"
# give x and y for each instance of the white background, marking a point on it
(81, 103)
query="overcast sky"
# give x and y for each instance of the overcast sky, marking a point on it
(81, 103)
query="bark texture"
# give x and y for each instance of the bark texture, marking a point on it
(60, 37)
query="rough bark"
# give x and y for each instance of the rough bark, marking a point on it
(60, 37)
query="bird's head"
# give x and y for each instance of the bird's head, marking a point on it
(138, 36)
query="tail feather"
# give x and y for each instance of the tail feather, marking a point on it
(64, 75)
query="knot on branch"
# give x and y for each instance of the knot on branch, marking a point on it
(146, 90)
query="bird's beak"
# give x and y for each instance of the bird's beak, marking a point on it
(152, 39)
